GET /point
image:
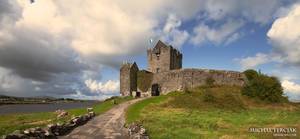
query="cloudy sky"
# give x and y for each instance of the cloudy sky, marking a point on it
(74, 48)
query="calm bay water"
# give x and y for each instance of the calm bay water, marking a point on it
(30, 108)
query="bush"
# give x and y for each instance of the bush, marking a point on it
(263, 87)
(251, 74)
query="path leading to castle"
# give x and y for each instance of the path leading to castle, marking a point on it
(108, 125)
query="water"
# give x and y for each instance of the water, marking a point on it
(30, 108)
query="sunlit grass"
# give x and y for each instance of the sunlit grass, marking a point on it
(134, 112)
(228, 115)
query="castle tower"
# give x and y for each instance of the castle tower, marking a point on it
(163, 58)
(128, 78)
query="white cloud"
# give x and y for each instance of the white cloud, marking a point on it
(171, 32)
(119, 28)
(80, 95)
(256, 11)
(37, 88)
(219, 9)
(233, 38)
(94, 29)
(99, 87)
(252, 62)
(285, 36)
(291, 87)
(171, 23)
(260, 11)
(225, 33)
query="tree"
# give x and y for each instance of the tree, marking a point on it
(264, 87)
(251, 74)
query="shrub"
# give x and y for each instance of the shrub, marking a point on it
(263, 87)
(251, 74)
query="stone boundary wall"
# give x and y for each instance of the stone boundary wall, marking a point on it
(52, 131)
(189, 78)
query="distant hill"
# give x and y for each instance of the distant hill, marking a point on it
(45, 97)
(33, 100)
(294, 100)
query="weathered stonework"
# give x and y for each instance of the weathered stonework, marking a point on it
(52, 130)
(128, 78)
(165, 63)
(190, 78)
(163, 58)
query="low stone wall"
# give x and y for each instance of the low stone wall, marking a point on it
(137, 131)
(190, 78)
(52, 130)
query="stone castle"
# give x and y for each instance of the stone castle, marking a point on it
(165, 74)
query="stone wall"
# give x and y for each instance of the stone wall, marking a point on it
(163, 58)
(52, 130)
(159, 62)
(190, 78)
(128, 78)
(175, 59)
(144, 80)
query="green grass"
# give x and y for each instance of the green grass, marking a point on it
(134, 112)
(226, 114)
(12, 122)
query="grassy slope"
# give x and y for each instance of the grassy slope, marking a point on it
(12, 122)
(135, 110)
(210, 113)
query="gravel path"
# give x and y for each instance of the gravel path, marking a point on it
(108, 125)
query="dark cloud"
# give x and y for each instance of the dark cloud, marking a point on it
(64, 84)
(37, 55)
(9, 8)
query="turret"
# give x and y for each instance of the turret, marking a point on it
(128, 78)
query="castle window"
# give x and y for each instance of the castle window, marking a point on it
(157, 70)
(157, 57)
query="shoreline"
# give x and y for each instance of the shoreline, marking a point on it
(54, 102)
(28, 108)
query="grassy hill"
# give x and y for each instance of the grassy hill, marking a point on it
(211, 112)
